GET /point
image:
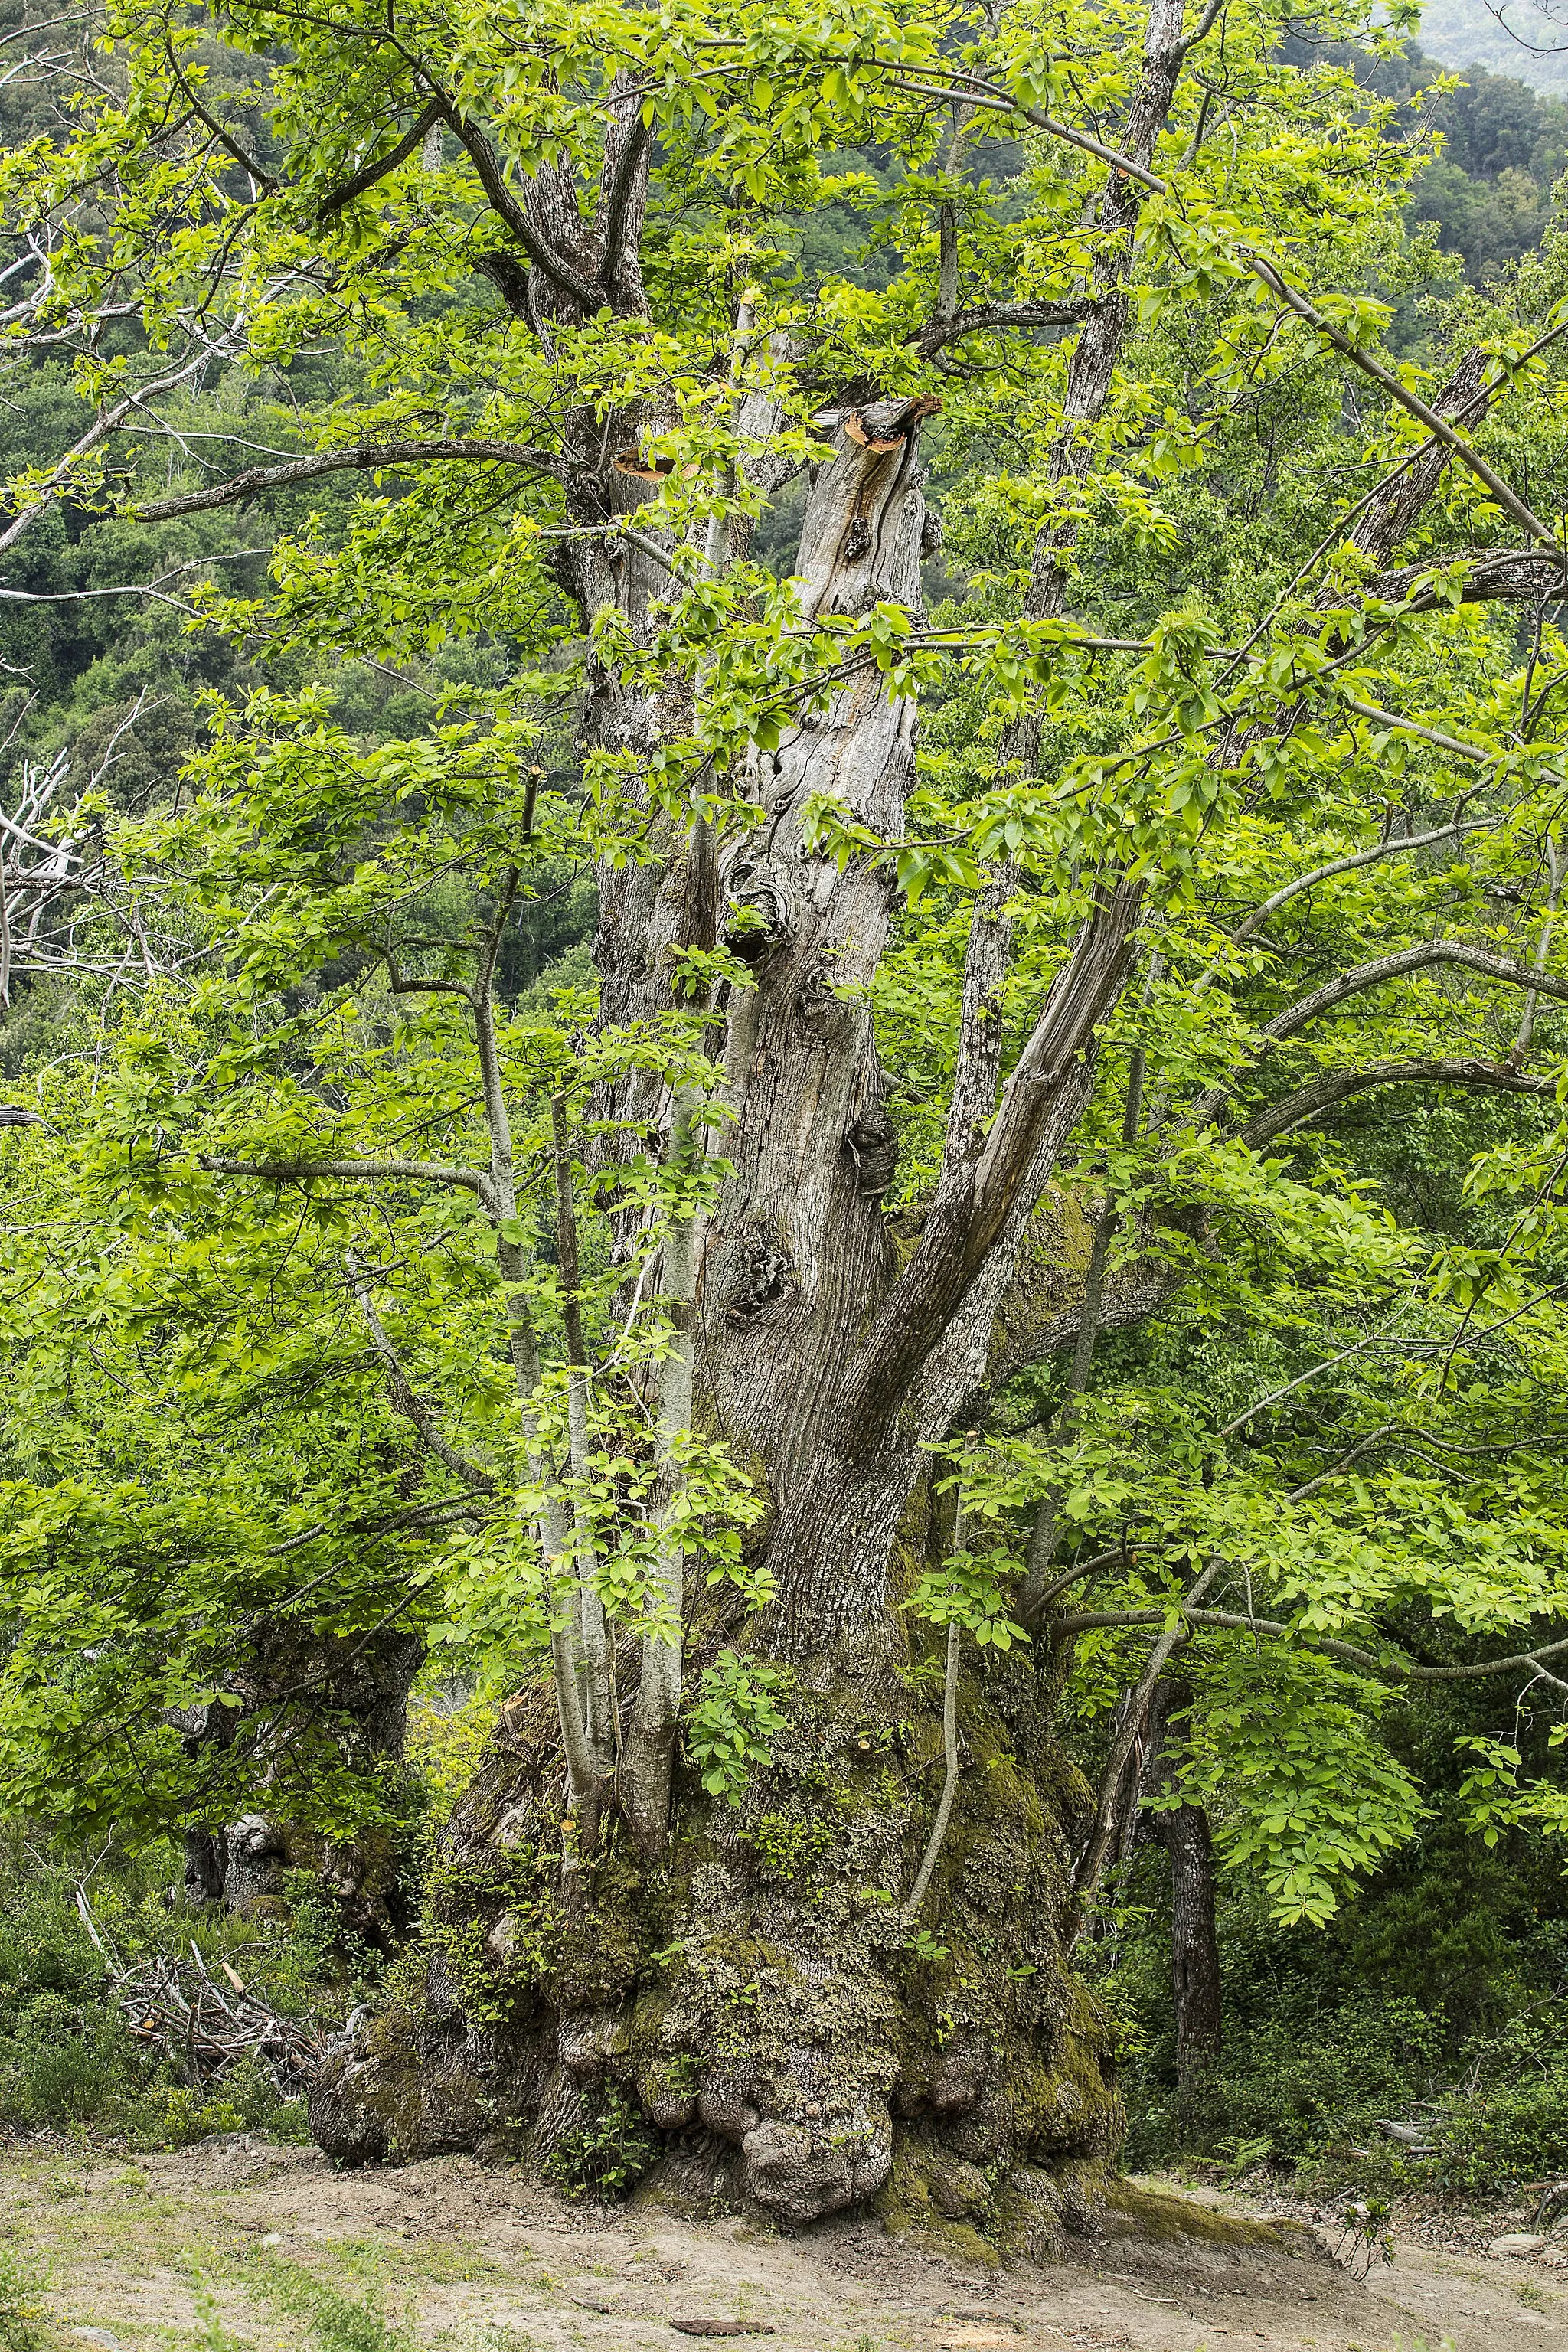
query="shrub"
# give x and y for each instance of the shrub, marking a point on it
(1308, 2087)
(1488, 2140)
(606, 2154)
(1508, 2121)
(68, 2059)
(1299, 2086)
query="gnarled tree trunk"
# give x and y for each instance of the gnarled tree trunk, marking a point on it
(756, 1990)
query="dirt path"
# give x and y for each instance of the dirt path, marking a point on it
(244, 2246)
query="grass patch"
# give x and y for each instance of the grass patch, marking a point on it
(338, 2322)
(211, 2335)
(20, 2288)
(431, 2262)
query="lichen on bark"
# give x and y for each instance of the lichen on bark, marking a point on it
(758, 1995)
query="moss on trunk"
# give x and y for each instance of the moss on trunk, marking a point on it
(757, 2003)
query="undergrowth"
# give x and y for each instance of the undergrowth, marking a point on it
(1438, 2001)
(19, 2306)
(606, 2154)
(67, 2061)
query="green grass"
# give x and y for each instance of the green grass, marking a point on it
(338, 2322)
(20, 2287)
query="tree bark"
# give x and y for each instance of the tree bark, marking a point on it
(1194, 1948)
(791, 2045)
(1194, 1939)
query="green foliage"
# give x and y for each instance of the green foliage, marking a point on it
(1366, 2235)
(1512, 2131)
(603, 2156)
(1312, 2093)
(1492, 1798)
(973, 1591)
(786, 1846)
(1433, 1996)
(211, 2336)
(730, 1724)
(289, 1352)
(1289, 1758)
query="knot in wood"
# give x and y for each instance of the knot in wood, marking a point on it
(814, 1002)
(766, 1277)
(760, 917)
(872, 1143)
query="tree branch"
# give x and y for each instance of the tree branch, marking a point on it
(1123, 1305)
(1080, 998)
(982, 1032)
(1391, 848)
(1092, 1861)
(260, 178)
(1334, 1085)
(598, 1711)
(916, 1895)
(492, 179)
(937, 333)
(1033, 1592)
(366, 179)
(618, 198)
(296, 1171)
(1526, 572)
(1386, 518)
(1435, 423)
(1373, 975)
(977, 1196)
(1402, 1669)
(975, 91)
(1394, 967)
(933, 1845)
(405, 1398)
(99, 430)
(337, 461)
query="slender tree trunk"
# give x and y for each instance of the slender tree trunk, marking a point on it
(1195, 1947)
(1194, 1941)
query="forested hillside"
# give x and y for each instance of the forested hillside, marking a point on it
(782, 1006)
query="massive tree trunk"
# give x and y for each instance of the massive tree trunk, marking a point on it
(750, 1979)
(756, 1990)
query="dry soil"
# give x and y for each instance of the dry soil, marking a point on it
(226, 2246)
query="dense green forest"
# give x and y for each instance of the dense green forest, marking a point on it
(782, 1219)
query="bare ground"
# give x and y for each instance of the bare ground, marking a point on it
(223, 2247)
